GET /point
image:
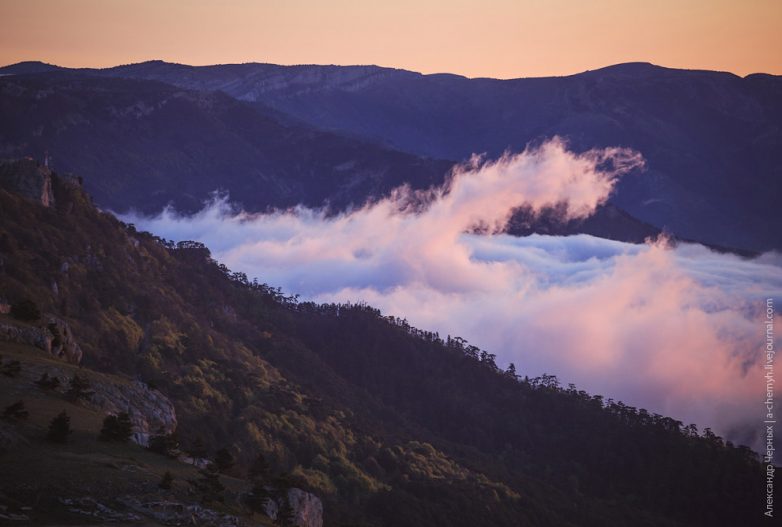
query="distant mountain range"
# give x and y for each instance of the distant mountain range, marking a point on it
(713, 141)
(144, 144)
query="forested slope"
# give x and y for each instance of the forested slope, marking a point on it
(389, 425)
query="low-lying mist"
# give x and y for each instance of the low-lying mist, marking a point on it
(674, 329)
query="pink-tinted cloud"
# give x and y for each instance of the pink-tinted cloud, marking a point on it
(675, 330)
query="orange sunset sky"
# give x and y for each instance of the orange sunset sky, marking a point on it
(492, 38)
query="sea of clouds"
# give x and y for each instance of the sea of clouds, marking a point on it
(674, 329)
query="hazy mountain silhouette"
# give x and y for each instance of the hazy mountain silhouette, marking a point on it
(144, 144)
(712, 139)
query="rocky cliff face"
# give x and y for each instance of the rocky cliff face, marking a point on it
(28, 178)
(150, 411)
(32, 336)
(307, 508)
(54, 336)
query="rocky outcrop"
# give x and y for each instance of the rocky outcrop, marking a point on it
(29, 179)
(169, 512)
(63, 344)
(54, 337)
(150, 411)
(97, 511)
(30, 335)
(307, 508)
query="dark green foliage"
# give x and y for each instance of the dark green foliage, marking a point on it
(258, 497)
(259, 475)
(59, 428)
(285, 514)
(117, 428)
(164, 444)
(259, 470)
(224, 460)
(197, 450)
(208, 485)
(167, 481)
(78, 389)
(48, 383)
(26, 310)
(11, 368)
(15, 412)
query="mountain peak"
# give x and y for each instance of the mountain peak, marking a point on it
(29, 66)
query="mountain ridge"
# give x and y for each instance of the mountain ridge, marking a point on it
(711, 139)
(179, 146)
(44, 66)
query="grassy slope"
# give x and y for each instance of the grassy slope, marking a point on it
(36, 471)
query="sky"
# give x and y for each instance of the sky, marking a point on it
(490, 38)
(675, 330)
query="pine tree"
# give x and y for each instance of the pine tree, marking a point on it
(164, 444)
(48, 383)
(79, 389)
(258, 497)
(59, 428)
(224, 460)
(285, 514)
(25, 310)
(208, 485)
(197, 450)
(15, 412)
(117, 428)
(260, 476)
(11, 368)
(166, 481)
(259, 470)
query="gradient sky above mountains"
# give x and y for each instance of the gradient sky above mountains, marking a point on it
(496, 38)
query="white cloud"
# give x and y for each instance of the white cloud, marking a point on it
(674, 330)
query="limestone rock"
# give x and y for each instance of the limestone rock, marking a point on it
(171, 512)
(55, 338)
(150, 411)
(32, 336)
(88, 506)
(28, 178)
(63, 344)
(307, 508)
